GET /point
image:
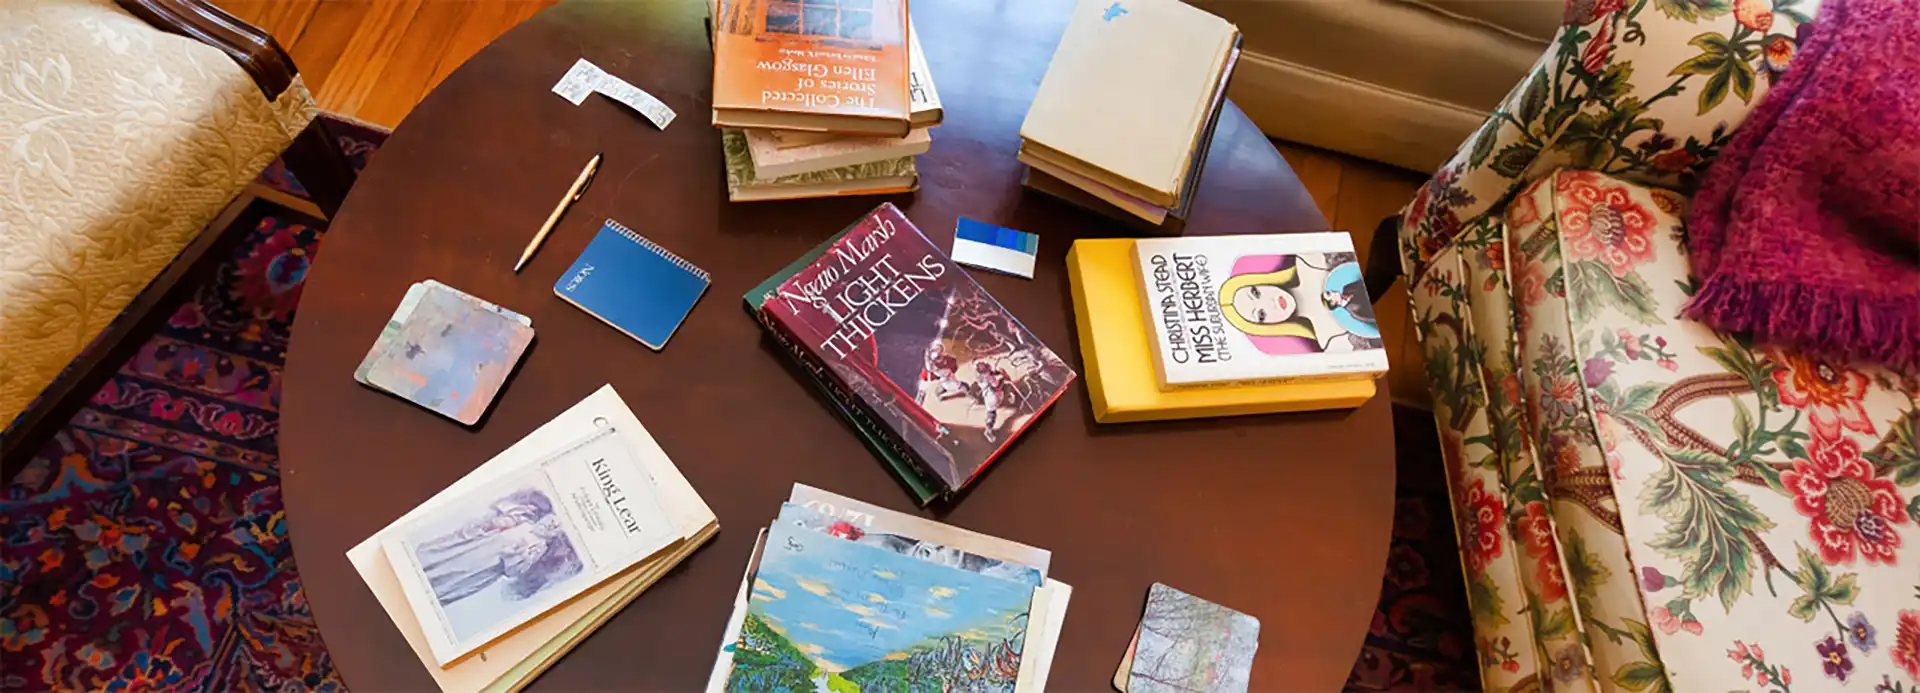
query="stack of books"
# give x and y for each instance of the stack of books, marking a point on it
(1175, 328)
(1125, 116)
(840, 595)
(820, 101)
(495, 578)
(936, 377)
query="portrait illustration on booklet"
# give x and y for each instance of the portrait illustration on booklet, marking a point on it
(1290, 304)
(829, 613)
(483, 564)
(480, 559)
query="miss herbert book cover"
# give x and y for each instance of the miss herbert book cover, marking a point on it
(1235, 310)
(920, 346)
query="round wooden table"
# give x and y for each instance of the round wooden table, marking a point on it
(1284, 517)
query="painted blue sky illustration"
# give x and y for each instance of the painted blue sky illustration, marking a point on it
(845, 604)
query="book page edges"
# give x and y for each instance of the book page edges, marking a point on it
(1150, 213)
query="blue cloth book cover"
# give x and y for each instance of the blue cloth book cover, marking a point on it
(633, 284)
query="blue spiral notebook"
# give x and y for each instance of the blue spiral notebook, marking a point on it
(632, 284)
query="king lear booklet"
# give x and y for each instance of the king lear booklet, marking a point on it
(495, 578)
(486, 561)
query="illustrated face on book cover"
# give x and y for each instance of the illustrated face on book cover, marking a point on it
(1300, 304)
(828, 614)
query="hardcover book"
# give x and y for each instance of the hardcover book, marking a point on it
(923, 488)
(1258, 308)
(907, 337)
(896, 175)
(1066, 183)
(819, 65)
(1163, 60)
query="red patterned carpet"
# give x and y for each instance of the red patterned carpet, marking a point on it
(145, 547)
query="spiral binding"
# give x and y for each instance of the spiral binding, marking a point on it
(657, 250)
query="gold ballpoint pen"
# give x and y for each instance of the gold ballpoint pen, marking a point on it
(573, 193)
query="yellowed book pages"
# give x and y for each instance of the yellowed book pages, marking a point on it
(1129, 90)
(1132, 205)
(780, 153)
(690, 515)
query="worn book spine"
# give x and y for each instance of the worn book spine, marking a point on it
(856, 409)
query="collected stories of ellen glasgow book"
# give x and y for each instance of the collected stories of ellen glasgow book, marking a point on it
(905, 335)
(846, 58)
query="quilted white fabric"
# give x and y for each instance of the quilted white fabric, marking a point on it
(118, 144)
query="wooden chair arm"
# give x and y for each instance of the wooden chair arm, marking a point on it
(256, 52)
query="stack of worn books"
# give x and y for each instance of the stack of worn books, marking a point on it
(495, 578)
(1126, 113)
(1176, 328)
(820, 100)
(936, 377)
(840, 595)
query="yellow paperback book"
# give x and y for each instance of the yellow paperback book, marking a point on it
(1116, 348)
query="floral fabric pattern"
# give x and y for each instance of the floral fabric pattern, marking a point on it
(1708, 501)
(1644, 91)
(1719, 517)
(121, 143)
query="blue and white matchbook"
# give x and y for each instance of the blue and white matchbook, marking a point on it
(633, 284)
(988, 247)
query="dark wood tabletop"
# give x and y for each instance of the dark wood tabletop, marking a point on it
(1284, 517)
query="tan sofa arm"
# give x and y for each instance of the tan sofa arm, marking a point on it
(256, 52)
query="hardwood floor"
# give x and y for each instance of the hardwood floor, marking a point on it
(375, 59)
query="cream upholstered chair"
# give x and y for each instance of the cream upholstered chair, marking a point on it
(1644, 504)
(124, 129)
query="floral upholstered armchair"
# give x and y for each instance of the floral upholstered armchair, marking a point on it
(1644, 504)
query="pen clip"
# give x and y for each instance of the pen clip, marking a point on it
(585, 184)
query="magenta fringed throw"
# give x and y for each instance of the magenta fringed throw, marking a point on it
(1806, 230)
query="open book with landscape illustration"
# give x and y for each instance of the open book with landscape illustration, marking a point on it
(830, 612)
